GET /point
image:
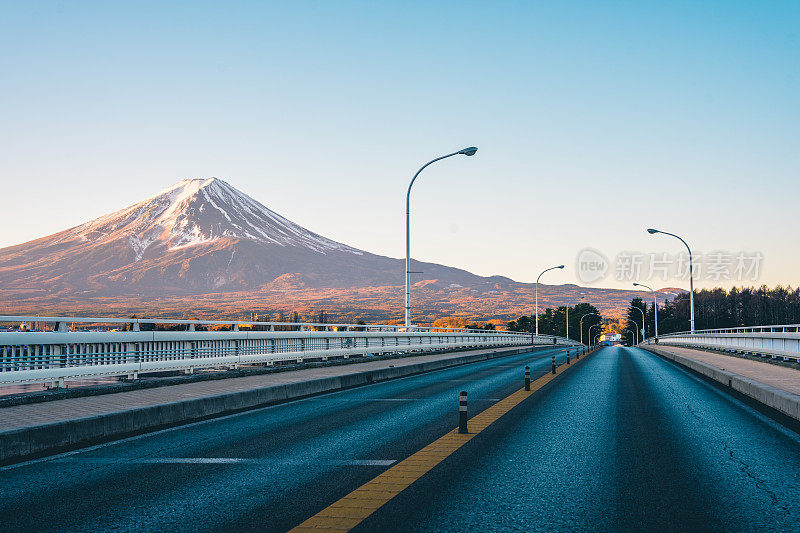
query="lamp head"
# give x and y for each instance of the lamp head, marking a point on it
(560, 266)
(651, 231)
(636, 285)
(468, 151)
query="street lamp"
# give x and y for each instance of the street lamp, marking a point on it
(581, 324)
(590, 333)
(629, 331)
(637, 329)
(655, 305)
(466, 151)
(632, 307)
(537, 294)
(691, 274)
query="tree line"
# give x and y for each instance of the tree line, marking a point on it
(554, 321)
(718, 308)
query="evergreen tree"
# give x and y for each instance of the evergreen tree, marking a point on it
(738, 307)
(554, 321)
(633, 318)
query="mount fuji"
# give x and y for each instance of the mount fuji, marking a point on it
(197, 236)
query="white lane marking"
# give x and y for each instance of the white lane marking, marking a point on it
(368, 462)
(365, 399)
(223, 460)
(133, 438)
(169, 460)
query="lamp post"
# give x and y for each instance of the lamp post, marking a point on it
(537, 294)
(655, 306)
(629, 331)
(581, 324)
(637, 329)
(590, 333)
(466, 151)
(637, 325)
(691, 273)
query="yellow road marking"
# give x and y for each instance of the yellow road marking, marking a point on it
(351, 510)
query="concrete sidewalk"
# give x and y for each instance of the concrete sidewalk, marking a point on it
(775, 386)
(43, 428)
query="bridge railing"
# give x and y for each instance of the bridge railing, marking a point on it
(777, 341)
(72, 348)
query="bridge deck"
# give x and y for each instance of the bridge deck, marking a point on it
(624, 441)
(781, 377)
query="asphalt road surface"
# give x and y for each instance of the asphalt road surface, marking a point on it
(625, 441)
(267, 469)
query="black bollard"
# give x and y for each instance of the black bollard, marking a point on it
(462, 412)
(577, 353)
(527, 378)
(567, 355)
(554, 364)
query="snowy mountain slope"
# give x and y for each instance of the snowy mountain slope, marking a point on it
(197, 236)
(197, 211)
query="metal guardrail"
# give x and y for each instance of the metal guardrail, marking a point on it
(777, 341)
(63, 323)
(99, 348)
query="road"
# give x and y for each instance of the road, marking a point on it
(624, 441)
(270, 468)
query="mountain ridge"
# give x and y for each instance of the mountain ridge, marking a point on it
(196, 236)
(204, 237)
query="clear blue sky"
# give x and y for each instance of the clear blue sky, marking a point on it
(594, 121)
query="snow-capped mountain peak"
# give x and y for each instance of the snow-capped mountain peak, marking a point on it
(200, 211)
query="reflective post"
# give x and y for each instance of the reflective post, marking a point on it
(462, 412)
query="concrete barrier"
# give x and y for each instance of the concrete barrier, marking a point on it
(782, 401)
(47, 439)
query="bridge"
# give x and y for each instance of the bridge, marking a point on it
(218, 424)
